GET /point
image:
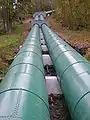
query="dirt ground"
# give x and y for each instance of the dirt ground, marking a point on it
(27, 27)
(78, 38)
(58, 108)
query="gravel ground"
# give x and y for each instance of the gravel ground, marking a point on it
(58, 108)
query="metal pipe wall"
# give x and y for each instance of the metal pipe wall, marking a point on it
(36, 17)
(23, 94)
(41, 17)
(74, 73)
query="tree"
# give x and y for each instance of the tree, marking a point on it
(7, 13)
(73, 13)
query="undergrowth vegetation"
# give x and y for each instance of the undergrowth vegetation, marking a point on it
(8, 44)
(74, 14)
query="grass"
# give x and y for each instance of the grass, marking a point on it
(68, 32)
(17, 29)
(11, 40)
(8, 43)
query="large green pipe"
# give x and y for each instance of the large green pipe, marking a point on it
(23, 94)
(74, 72)
(41, 17)
(36, 17)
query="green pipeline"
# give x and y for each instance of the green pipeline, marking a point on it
(23, 93)
(41, 17)
(74, 72)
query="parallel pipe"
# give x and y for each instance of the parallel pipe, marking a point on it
(41, 17)
(74, 72)
(36, 17)
(23, 94)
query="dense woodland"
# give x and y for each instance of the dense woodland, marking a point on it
(74, 14)
(12, 11)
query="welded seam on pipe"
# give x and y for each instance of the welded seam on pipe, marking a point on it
(62, 53)
(29, 64)
(18, 89)
(10, 117)
(58, 45)
(23, 73)
(28, 51)
(70, 66)
(31, 44)
(80, 100)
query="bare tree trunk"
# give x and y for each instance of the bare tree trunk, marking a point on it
(8, 20)
(3, 18)
(4, 25)
(71, 14)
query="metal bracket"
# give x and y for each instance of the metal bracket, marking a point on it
(39, 22)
